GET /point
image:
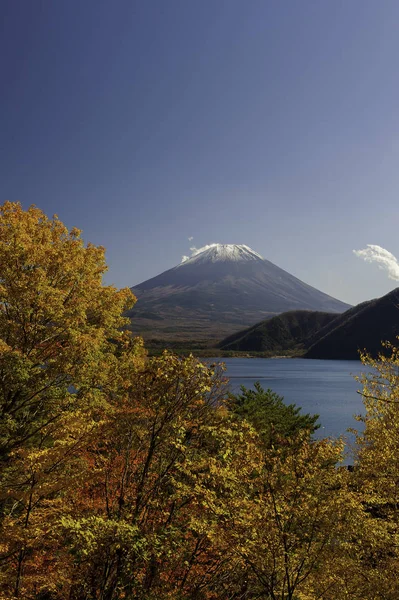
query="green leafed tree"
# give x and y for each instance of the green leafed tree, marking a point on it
(270, 416)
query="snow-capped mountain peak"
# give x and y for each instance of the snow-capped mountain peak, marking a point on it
(219, 289)
(221, 253)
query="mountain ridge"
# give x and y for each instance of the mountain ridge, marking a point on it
(328, 336)
(362, 327)
(288, 331)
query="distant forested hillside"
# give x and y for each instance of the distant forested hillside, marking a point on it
(289, 331)
(324, 335)
(363, 327)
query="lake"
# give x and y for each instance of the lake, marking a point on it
(325, 387)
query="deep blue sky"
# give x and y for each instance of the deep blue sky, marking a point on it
(267, 123)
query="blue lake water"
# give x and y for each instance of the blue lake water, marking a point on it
(325, 387)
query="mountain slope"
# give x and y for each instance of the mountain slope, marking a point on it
(288, 331)
(220, 289)
(362, 327)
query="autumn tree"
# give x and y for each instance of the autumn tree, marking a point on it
(376, 473)
(123, 476)
(368, 567)
(167, 470)
(61, 331)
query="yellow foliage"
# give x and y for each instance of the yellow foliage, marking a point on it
(64, 349)
(127, 477)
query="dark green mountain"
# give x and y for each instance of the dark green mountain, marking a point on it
(361, 327)
(292, 330)
(324, 335)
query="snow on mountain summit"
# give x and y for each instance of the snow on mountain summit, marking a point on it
(221, 253)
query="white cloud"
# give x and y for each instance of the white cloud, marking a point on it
(195, 251)
(190, 239)
(384, 259)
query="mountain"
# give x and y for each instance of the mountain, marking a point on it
(290, 331)
(362, 327)
(324, 335)
(220, 289)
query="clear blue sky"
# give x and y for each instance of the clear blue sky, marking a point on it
(260, 122)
